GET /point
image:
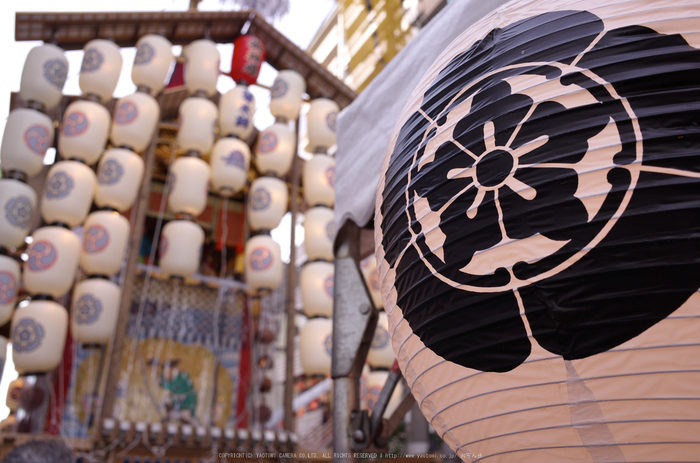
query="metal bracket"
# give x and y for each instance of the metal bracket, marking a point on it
(354, 322)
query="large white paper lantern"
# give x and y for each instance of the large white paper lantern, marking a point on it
(189, 185)
(95, 310)
(368, 266)
(267, 203)
(197, 122)
(315, 346)
(135, 120)
(286, 95)
(45, 71)
(14, 393)
(68, 193)
(154, 57)
(319, 233)
(317, 285)
(263, 263)
(9, 287)
(236, 110)
(275, 149)
(99, 72)
(538, 253)
(28, 135)
(381, 354)
(119, 176)
(17, 205)
(318, 179)
(202, 66)
(374, 383)
(52, 261)
(230, 160)
(180, 248)
(38, 336)
(321, 123)
(105, 238)
(84, 131)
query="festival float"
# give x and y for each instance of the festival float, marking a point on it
(142, 292)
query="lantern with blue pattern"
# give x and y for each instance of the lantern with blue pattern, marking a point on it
(267, 203)
(95, 310)
(38, 336)
(44, 73)
(28, 135)
(152, 63)
(99, 72)
(316, 346)
(229, 161)
(317, 284)
(286, 95)
(263, 263)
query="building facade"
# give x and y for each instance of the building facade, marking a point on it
(360, 37)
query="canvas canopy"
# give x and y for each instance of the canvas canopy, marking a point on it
(365, 126)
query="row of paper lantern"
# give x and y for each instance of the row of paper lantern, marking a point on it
(317, 279)
(39, 328)
(268, 196)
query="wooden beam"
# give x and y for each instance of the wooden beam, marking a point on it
(116, 347)
(291, 291)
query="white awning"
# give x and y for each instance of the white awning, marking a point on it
(365, 126)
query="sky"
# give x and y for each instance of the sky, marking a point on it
(299, 25)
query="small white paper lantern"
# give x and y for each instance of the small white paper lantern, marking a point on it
(119, 176)
(321, 122)
(316, 281)
(315, 346)
(68, 193)
(267, 203)
(14, 392)
(381, 354)
(318, 179)
(99, 72)
(319, 233)
(230, 160)
(180, 248)
(236, 110)
(154, 58)
(263, 263)
(202, 66)
(189, 185)
(368, 266)
(17, 205)
(53, 260)
(275, 149)
(38, 336)
(286, 94)
(135, 120)
(197, 122)
(105, 238)
(375, 381)
(9, 287)
(45, 71)
(95, 310)
(28, 135)
(84, 131)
